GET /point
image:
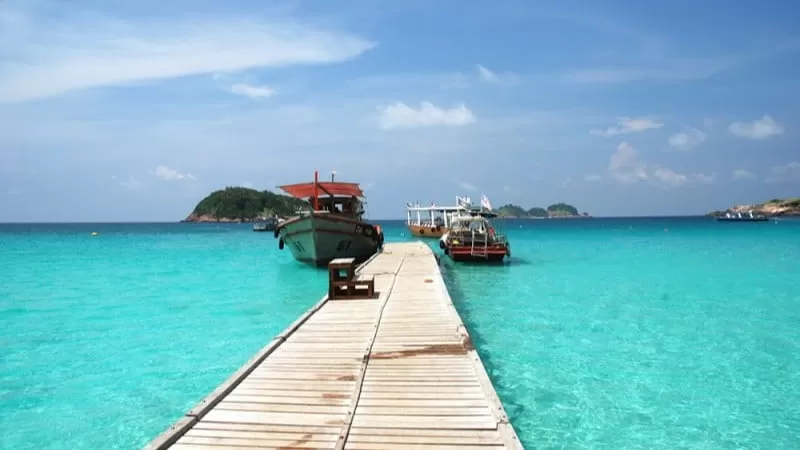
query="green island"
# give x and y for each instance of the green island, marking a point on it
(774, 207)
(557, 210)
(239, 204)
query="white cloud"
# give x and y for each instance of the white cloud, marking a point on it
(251, 91)
(709, 122)
(742, 175)
(130, 183)
(686, 140)
(487, 75)
(593, 178)
(467, 186)
(170, 174)
(669, 69)
(401, 115)
(784, 173)
(704, 178)
(626, 125)
(758, 129)
(626, 167)
(42, 57)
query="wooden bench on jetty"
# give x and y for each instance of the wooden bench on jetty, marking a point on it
(394, 371)
(348, 285)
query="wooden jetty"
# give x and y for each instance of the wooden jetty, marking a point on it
(395, 370)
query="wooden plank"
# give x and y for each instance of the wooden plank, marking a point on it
(423, 403)
(479, 435)
(405, 446)
(432, 421)
(267, 428)
(417, 396)
(461, 439)
(314, 420)
(476, 388)
(262, 436)
(281, 407)
(296, 396)
(318, 368)
(387, 410)
(204, 443)
(297, 376)
(288, 400)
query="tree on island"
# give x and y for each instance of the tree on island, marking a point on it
(562, 209)
(555, 210)
(244, 204)
(537, 212)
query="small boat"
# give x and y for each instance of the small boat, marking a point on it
(333, 227)
(746, 217)
(267, 225)
(472, 237)
(434, 221)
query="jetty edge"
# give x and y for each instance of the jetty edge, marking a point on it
(393, 370)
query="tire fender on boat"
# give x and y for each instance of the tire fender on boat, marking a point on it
(280, 243)
(368, 231)
(379, 235)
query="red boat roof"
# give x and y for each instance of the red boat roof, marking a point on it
(305, 190)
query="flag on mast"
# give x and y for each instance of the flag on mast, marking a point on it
(485, 202)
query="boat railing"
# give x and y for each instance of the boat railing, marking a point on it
(482, 239)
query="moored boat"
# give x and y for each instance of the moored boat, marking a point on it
(746, 217)
(474, 238)
(334, 226)
(266, 225)
(434, 221)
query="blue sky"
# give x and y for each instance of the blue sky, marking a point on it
(113, 110)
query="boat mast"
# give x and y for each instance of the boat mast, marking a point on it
(316, 191)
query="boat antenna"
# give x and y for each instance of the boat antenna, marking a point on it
(333, 175)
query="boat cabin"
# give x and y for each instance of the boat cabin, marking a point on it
(335, 197)
(474, 227)
(441, 216)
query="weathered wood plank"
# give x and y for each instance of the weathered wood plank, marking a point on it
(431, 421)
(256, 417)
(262, 435)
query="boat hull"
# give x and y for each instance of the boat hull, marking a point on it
(493, 254)
(427, 231)
(737, 219)
(318, 238)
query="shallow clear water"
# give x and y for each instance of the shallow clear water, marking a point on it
(604, 333)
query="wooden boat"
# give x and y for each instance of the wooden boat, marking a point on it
(473, 238)
(333, 228)
(434, 221)
(739, 217)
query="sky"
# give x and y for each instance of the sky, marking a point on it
(113, 110)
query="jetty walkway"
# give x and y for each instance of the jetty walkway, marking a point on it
(394, 371)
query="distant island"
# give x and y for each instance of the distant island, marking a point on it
(558, 210)
(239, 204)
(774, 207)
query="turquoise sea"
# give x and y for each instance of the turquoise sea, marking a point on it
(602, 333)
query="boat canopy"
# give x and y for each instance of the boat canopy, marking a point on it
(334, 188)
